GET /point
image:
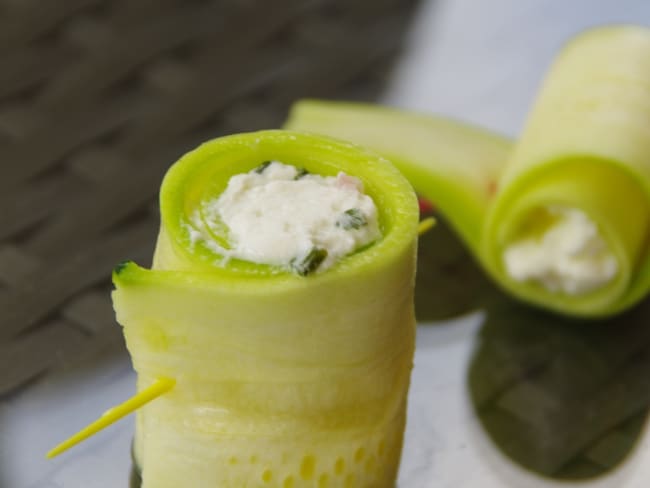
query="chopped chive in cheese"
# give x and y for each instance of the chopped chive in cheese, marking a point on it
(260, 169)
(351, 219)
(309, 263)
(282, 215)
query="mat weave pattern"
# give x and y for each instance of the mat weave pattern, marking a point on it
(98, 98)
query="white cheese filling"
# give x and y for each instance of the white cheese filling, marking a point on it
(570, 256)
(277, 214)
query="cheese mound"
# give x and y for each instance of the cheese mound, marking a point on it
(570, 256)
(280, 215)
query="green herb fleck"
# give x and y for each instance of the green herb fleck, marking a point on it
(301, 172)
(309, 263)
(120, 267)
(351, 219)
(260, 169)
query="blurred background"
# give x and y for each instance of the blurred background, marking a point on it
(99, 97)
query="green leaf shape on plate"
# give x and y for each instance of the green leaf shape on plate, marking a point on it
(449, 281)
(565, 399)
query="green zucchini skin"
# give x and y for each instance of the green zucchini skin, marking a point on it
(586, 145)
(282, 380)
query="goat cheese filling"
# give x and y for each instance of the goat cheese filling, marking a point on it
(281, 215)
(569, 256)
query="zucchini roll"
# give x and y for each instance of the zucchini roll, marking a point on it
(292, 357)
(561, 218)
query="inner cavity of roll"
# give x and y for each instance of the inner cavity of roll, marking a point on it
(282, 215)
(561, 250)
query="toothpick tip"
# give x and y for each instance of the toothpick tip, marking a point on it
(426, 225)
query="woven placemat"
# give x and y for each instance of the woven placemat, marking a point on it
(99, 97)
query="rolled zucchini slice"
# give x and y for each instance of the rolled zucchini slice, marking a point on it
(281, 379)
(569, 202)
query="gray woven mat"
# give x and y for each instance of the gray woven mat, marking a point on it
(98, 98)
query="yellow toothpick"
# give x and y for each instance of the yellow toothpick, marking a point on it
(157, 388)
(425, 225)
